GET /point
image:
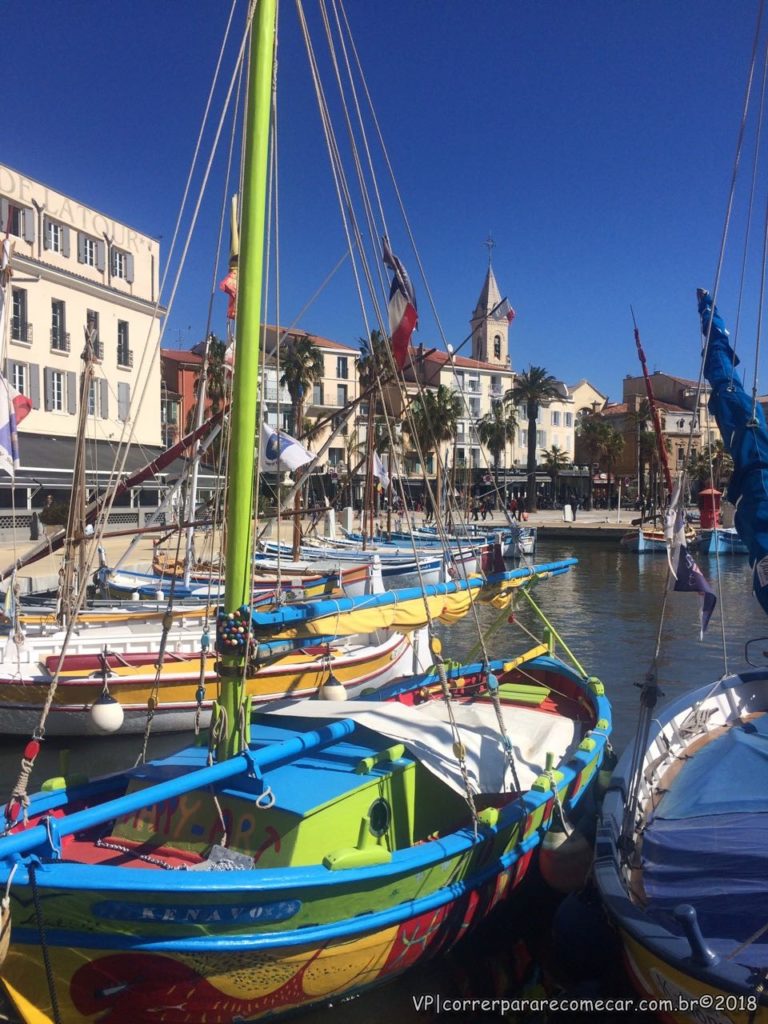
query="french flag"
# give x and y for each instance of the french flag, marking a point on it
(403, 318)
(13, 408)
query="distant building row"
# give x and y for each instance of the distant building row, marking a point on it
(75, 268)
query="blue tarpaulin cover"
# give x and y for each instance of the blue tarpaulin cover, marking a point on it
(707, 842)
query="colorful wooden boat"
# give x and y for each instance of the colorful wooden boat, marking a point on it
(351, 851)
(650, 539)
(723, 540)
(320, 847)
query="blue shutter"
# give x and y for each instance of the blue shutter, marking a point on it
(129, 267)
(65, 241)
(104, 403)
(100, 251)
(80, 247)
(45, 233)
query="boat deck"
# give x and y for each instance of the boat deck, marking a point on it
(706, 840)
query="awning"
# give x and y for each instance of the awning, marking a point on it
(48, 462)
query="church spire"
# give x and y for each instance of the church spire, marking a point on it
(490, 336)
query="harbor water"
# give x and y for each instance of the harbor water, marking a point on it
(608, 610)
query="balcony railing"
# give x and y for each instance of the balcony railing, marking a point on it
(21, 331)
(124, 357)
(59, 340)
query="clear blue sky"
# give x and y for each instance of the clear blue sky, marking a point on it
(594, 139)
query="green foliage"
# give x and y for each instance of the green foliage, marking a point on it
(532, 388)
(301, 362)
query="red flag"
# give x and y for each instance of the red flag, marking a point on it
(403, 318)
(229, 285)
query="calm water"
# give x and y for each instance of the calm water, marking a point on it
(607, 610)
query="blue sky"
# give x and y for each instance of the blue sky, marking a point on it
(594, 140)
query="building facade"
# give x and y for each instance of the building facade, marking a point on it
(76, 268)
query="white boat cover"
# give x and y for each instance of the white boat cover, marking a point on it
(426, 732)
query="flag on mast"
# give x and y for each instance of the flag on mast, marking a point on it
(280, 452)
(379, 470)
(687, 575)
(503, 309)
(403, 317)
(13, 408)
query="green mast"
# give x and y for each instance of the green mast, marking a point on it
(244, 409)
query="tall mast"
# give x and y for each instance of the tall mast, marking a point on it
(244, 411)
(654, 413)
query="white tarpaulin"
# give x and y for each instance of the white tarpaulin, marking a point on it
(426, 732)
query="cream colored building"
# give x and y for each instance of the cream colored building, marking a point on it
(331, 395)
(485, 377)
(74, 266)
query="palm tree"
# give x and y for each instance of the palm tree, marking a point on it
(594, 433)
(302, 365)
(496, 430)
(612, 449)
(532, 388)
(373, 362)
(432, 419)
(555, 459)
(712, 466)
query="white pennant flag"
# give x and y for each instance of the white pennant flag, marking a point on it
(280, 452)
(379, 470)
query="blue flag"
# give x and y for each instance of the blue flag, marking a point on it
(688, 576)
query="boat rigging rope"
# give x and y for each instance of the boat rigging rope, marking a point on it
(44, 950)
(351, 226)
(649, 688)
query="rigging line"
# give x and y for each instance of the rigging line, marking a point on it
(750, 206)
(435, 503)
(342, 192)
(343, 195)
(719, 584)
(375, 235)
(374, 179)
(125, 441)
(760, 308)
(735, 170)
(177, 226)
(396, 189)
(273, 210)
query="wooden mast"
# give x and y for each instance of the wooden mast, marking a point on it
(654, 413)
(244, 409)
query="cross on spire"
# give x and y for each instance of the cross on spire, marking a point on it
(489, 242)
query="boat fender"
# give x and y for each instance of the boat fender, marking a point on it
(332, 689)
(106, 713)
(606, 770)
(565, 856)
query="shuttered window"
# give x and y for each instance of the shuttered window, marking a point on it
(123, 400)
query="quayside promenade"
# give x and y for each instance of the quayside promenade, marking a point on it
(598, 525)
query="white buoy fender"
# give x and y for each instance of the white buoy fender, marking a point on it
(107, 714)
(565, 859)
